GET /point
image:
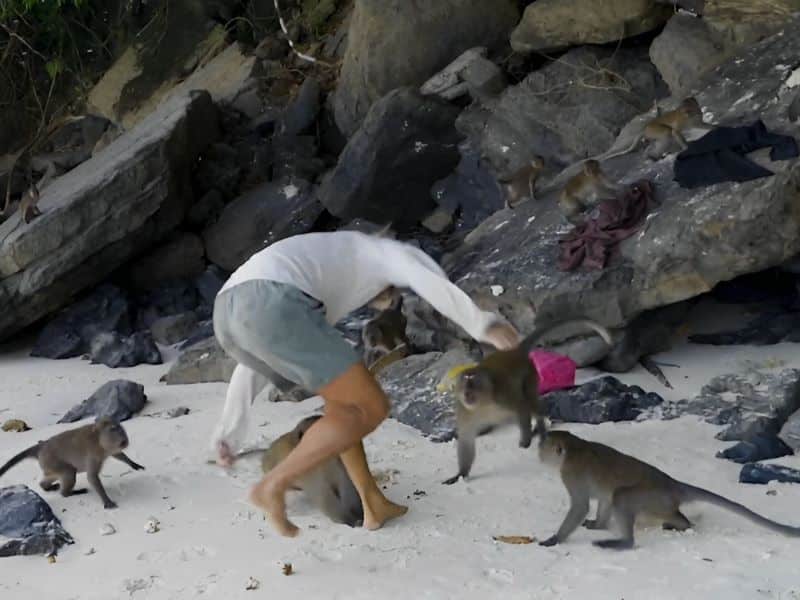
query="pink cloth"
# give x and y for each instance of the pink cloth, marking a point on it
(556, 371)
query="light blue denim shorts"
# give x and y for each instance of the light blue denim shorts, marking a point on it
(275, 328)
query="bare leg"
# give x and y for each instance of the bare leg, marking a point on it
(354, 406)
(377, 508)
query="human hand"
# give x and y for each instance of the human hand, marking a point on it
(502, 335)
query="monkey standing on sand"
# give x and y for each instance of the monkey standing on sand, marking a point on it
(81, 450)
(503, 388)
(327, 486)
(624, 488)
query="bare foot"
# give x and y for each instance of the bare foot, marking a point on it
(273, 503)
(381, 510)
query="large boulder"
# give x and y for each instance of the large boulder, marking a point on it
(396, 43)
(549, 25)
(562, 116)
(180, 257)
(694, 240)
(264, 215)
(386, 171)
(104, 212)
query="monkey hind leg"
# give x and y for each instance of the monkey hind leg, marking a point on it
(67, 478)
(49, 483)
(603, 517)
(677, 522)
(625, 505)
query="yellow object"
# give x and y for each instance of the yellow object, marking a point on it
(447, 383)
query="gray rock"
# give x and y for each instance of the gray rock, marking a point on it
(173, 329)
(411, 385)
(302, 112)
(114, 350)
(119, 400)
(107, 210)
(406, 143)
(180, 257)
(166, 300)
(519, 251)
(750, 404)
(600, 400)
(684, 50)
(771, 327)
(209, 283)
(178, 411)
(203, 362)
(471, 190)
(471, 73)
(108, 309)
(790, 431)
(763, 474)
(757, 447)
(29, 521)
(550, 25)
(561, 116)
(203, 331)
(396, 43)
(206, 210)
(262, 216)
(295, 157)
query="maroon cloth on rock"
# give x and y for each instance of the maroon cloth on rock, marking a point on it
(592, 242)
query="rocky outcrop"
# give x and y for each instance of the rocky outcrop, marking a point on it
(396, 43)
(264, 215)
(549, 25)
(203, 362)
(568, 110)
(406, 143)
(180, 257)
(691, 242)
(103, 212)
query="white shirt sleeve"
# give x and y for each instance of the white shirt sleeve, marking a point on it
(410, 267)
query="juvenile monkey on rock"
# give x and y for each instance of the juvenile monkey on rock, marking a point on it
(522, 183)
(81, 450)
(585, 189)
(624, 488)
(503, 388)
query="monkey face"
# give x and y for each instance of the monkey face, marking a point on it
(111, 436)
(473, 387)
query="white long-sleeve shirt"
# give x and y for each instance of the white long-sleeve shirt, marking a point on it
(346, 269)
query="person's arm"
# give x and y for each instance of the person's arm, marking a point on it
(410, 267)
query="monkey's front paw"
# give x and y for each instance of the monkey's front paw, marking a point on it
(137, 467)
(109, 505)
(452, 480)
(551, 541)
(590, 524)
(525, 442)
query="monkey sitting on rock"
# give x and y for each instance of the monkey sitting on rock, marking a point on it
(585, 189)
(81, 450)
(624, 488)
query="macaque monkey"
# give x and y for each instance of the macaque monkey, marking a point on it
(625, 487)
(387, 331)
(328, 486)
(664, 129)
(503, 388)
(522, 183)
(28, 208)
(81, 450)
(585, 189)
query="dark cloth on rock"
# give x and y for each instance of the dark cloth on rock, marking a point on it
(719, 155)
(591, 243)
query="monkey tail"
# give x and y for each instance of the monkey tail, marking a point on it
(692, 493)
(31, 452)
(535, 336)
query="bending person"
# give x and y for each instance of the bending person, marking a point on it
(275, 315)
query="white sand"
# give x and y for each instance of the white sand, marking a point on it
(211, 541)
